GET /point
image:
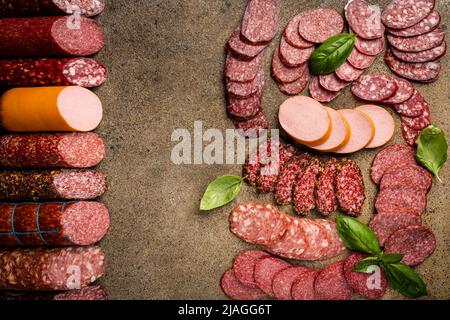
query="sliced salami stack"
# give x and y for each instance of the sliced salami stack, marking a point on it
(400, 203)
(416, 40)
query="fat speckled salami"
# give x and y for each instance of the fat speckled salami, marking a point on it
(260, 21)
(420, 71)
(385, 224)
(244, 108)
(426, 25)
(419, 43)
(319, 93)
(285, 74)
(292, 36)
(292, 56)
(411, 175)
(393, 156)
(243, 90)
(318, 239)
(347, 72)
(364, 19)
(422, 56)
(252, 127)
(49, 37)
(285, 184)
(295, 87)
(90, 293)
(401, 198)
(410, 135)
(244, 266)
(413, 107)
(317, 25)
(19, 8)
(330, 283)
(241, 49)
(240, 70)
(303, 193)
(360, 60)
(331, 82)
(326, 200)
(374, 87)
(369, 47)
(350, 188)
(420, 122)
(401, 14)
(50, 269)
(236, 290)
(404, 93)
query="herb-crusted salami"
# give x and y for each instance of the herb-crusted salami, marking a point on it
(265, 271)
(241, 49)
(385, 224)
(401, 198)
(285, 184)
(401, 14)
(304, 187)
(260, 21)
(393, 156)
(419, 43)
(283, 281)
(326, 200)
(244, 266)
(285, 74)
(410, 175)
(364, 19)
(374, 87)
(236, 290)
(317, 25)
(350, 188)
(319, 93)
(330, 284)
(422, 56)
(369, 47)
(404, 92)
(426, 25)
(18, 8)
(292, 35)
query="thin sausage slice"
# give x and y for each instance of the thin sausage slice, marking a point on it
(361, 128)
(20, 8)
(340, 132)
(383, 123)
(304, 119)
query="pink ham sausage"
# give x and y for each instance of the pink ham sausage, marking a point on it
(361, 131)
(340, 132)
(383, 122)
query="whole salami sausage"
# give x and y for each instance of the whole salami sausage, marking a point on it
(56, 223)
(51, 184)
(83, 72)
(20, 8)
(49, 37)
(95, 292)
(60, 150)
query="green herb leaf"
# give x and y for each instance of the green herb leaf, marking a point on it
(391, 257)
(357, 236)
(332, 53)
(432, 148)
(221, 191)
(405, 280)
(364, 264)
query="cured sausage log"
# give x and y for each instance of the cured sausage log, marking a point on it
(50, 109)
(83, 72)
(56, 223)
(50, 269)
(96, 292)
(49, 37)
(20, 8)
(51, 184)
(60, 150)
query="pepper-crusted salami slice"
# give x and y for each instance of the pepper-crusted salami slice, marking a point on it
(244, 108)
(283, 280)
(410, 175)
(285, 74)
(347, 72)
(253, 163)
(364, 19)
(401, 14)
(419, 43)
(350, 188)
(331, 82)
(330, 283)
(369, 47)
(420, 71)
(360, 60)
(420, 122)
(413, 107)
(244, 266)
(416, 243)
(240, 70)
(242, 90)
(257, 223)
(48, 37)
(50, 269)
(292, 56)
(369, 285)
(241, 49)
(304, 187)
(260, 21)
(19, 8)
(319, 93)
(303, 286)
(422, 56)
(374, 87)
(404, 93)
(76, 223)
(265, 271)
(292, 36)
(401, 198)
(236, 290)
(50, 185)
(317, 25)
(63, 150)
(252, 127)
(410, 135)
(426, 25)
(285, 184)
(326, 200)
(385, 224)
(295, 87)
(393, 156)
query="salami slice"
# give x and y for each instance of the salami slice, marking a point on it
(317, 238)
(420, 122)
(19, 8)
(244, 266)
(416, 243)
(364, 19)
(350, 188)
(401, 14)
(330, 283)
(292, 36)
(393, 156)
(235, 290)
(240, 70)
(410, 135)
(304, 187)
(49, 37)
(404, 93)
(260, 22)
(385, 224)
(420, 43)
(331, 82)
(411, 175)
(285, 184)
(303, 286)
(253, 164)
(252, 127)
(257, 223)
(326, 200)
(369, 47)
(420, 71)
(317, 25)
(283, 281)
(374, 87)
(428, 24)
(245, 108)
(245, 90)
(413, 107)
(336, 246)
(75, 223)
(371, 285)
(51, 185)
(319, 93)
(284, 74)
(347, 72)
(50, 269)
(401, 198)
(295, 87)
(360, 60)
(58, 150)
(422, 56)
(292, 56)
(90, 293)
(265, 271)
(241, 49)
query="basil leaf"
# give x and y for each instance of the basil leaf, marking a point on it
(432, 149)
(357, 236)
(391, 257)
(221, 191)
(364, 264)
(405, 280)
(332, 53)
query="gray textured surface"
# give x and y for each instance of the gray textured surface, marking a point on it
(166, 60)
